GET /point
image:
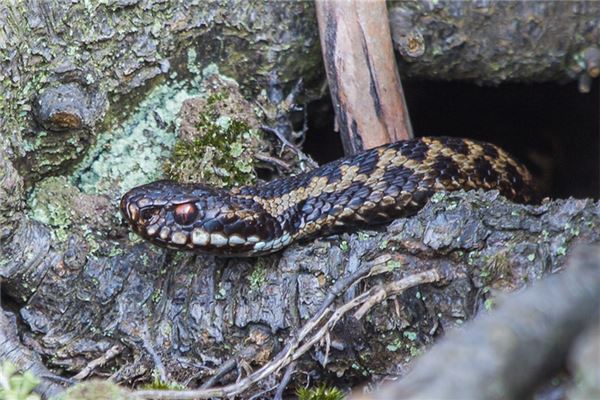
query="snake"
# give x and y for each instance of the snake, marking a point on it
(373, 187)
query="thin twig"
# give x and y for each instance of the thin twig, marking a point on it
(289, 371)
(281, 360)
(294, 350)
(293, 147)
(380, 293)
(327, 347)
(274, 160)
(282, 138)
(98, 362)
(224, 369)
(158, 364)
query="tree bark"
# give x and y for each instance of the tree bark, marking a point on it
(184, 315)
(511, 351)
(79, 287)
(495, 41)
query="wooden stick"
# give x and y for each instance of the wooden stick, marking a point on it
(362, 74)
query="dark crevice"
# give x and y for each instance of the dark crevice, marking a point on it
(552, 128)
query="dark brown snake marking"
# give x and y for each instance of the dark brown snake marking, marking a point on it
(373, 187)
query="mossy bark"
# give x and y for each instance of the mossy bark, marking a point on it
(180, 315)
(114, 52)
(106, 56)
(78, 285)
(494, 41)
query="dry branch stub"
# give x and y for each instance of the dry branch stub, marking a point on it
(361, 70)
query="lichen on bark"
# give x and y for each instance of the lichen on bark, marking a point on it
(79, 284)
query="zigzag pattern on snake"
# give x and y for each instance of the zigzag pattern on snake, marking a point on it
(372, 187)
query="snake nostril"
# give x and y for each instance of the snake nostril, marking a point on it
(149, 215)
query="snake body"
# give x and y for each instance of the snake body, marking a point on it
(372, 187)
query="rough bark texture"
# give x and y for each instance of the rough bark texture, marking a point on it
(104, 83)
(103, 56)
(495, 41)
(107, 55)
(363, 78)
(177, 313)
(519, 345)
(14, 351)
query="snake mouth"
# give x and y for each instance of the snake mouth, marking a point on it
(181, 223)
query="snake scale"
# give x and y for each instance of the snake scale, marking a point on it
(372, 187)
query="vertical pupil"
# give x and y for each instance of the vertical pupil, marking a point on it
(185, 213)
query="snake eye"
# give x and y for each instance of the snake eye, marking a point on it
(185, 214)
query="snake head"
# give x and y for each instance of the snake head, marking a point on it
(198, 218)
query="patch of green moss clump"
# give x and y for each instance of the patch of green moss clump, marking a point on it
(322, 392)
(17, 386)
(258, 277)
(51, 204)
(158, 384)
(220, 151)
(95, 390)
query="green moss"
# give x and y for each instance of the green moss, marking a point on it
(485, 275)
(410, 350)
(472, 257)
(258, 277)
(221, 292)
(50, 204)
(157, 384)
(322, 392)
(437, 197)
(395, 345)
(407, 343)
(115, 251)
(415, 351)
(393, 265)
(363, 235)
(410, 335)
(135, 151)
(95, 390)
(452, 206)
(15, 386)
(344, 246)
(156, 295)
(222, 153)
